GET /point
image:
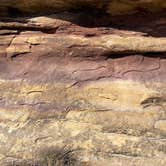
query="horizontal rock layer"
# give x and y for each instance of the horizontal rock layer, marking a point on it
(79, 89)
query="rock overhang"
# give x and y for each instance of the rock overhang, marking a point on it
(112, 7)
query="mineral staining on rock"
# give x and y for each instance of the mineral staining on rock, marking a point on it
(82, 88)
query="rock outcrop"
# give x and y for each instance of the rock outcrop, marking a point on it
(82, 83)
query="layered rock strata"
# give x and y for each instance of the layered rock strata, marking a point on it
(80, 88)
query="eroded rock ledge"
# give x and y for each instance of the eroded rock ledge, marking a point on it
(82, 88)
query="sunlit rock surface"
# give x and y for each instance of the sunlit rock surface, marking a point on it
(82, 83)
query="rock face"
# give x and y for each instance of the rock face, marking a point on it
(82, 83)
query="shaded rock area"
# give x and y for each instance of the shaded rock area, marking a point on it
(82, 83)
(113, 7)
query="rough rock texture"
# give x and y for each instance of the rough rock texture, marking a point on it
(83, 88)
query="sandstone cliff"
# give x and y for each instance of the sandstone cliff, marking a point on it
(83, 82)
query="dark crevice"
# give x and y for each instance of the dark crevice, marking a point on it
(153, 100)
(20, 28)
(14, 19)
(117, 55)
(14, 12)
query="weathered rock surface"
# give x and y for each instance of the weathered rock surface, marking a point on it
(80, 88)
